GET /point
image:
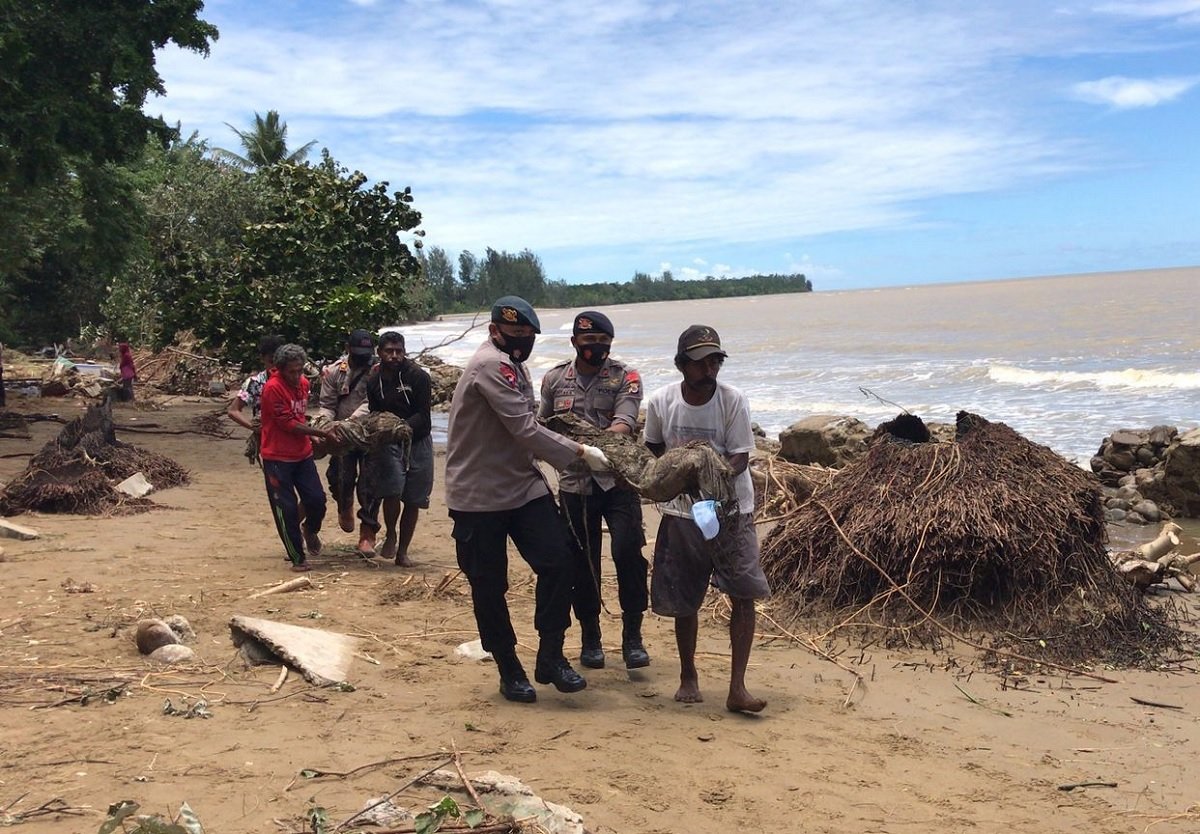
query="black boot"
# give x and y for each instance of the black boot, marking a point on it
(632, 649)
(553, 667)
(514, 684)
(592, 655)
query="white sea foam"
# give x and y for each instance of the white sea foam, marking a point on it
(1127, 378)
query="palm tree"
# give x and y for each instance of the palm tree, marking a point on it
(264, 144)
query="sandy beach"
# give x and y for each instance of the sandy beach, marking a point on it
(929, 742)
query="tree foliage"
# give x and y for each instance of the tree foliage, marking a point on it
(76, 75)
(480, 281)
(309, 252)
(264, 144)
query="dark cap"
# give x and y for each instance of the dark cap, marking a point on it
(589, 321)
(361, 343)
(699, 341)
(512, 309)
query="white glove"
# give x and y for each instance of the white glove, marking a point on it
(595, 458)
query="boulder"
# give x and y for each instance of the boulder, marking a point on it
(1179, 486)
(1161, 436)
(1147, 510)
(153, 635)
(825, 439)
(1114, 515)
(1119, 458)
(1145, 456)
(443, 377)
(181, 627)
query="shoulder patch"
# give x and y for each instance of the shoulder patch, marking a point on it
(508, 374)
(632, 376)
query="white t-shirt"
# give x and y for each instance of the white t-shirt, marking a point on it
(723, 421)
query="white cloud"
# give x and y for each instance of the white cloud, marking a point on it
(651, 125)
(1128, 93)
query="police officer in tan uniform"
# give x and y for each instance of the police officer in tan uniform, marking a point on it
(343, 389)
(495, 492)
(607, 394)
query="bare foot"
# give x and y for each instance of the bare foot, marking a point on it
(388, 551)
(312, 543)
(689, 691)
(742, 701)
(303, 567)
(403, 561)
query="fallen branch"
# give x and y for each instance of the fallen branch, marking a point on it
(394, 793)
(283, 673)
(449, 340)
(1073, 785)
(300, 583)
(1146, 703)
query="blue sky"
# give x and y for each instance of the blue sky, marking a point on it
(862, 142)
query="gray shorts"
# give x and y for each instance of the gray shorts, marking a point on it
(411, 480)
(684, 564)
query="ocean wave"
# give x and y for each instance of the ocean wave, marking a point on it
(1127, 378)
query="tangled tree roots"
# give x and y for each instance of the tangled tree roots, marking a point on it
(991, 533)
(695, 469)
(76, 472)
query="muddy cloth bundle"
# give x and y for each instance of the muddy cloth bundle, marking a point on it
(694, 469)
(377, 429)
(253, 442)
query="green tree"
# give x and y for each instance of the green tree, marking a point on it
(326, 258)
(439, 275)
(73, 80)
(265, 144)
(197, 210)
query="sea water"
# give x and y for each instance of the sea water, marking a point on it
(1063, 360)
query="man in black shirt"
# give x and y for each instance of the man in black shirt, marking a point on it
(401, 386)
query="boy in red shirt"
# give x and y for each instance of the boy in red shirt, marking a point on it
(287, 456)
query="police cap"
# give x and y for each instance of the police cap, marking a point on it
(589, 321)
(512, 309)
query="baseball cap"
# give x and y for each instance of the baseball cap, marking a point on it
(512, 309)
(698, 342)
(589, 321)
(361, 343)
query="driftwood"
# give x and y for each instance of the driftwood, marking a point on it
(1156, 561)
(300, 583)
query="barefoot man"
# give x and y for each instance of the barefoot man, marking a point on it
(701, 408)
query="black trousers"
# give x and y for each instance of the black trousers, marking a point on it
(481, 542)
(290, 484)
(622, 509)
(347, 479)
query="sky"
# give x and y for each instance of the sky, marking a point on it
(864, 143)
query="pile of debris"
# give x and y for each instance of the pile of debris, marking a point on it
(81, 469)
(989, 532)
(443, 377)
(183, 367)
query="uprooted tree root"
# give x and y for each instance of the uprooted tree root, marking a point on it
(77, 471)
(920, 542)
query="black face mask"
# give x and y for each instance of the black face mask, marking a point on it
(593, 355)
(518, 348)
(358, 360)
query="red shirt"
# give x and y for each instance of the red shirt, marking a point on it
(284, 407)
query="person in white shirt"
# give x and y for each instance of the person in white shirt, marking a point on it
(701, 408)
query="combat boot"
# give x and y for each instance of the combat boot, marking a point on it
(514, 684)
(632, 650)
(592, 655)
(553, 667)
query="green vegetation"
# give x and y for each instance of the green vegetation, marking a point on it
(479, 281)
